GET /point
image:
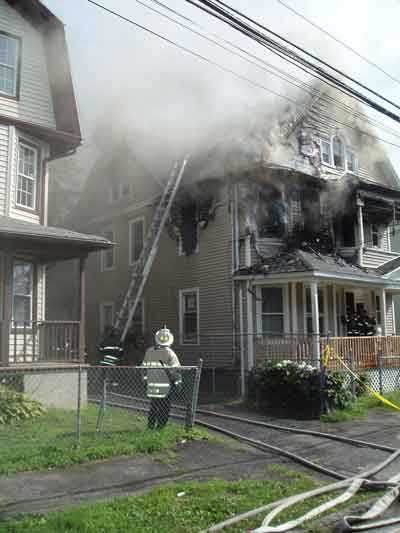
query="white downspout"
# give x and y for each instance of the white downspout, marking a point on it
(360, 221)
(315, 322)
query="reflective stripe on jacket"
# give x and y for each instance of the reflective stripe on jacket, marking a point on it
(160, 364)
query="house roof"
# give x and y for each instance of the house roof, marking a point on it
(301, 261)
(68, 133)
(389, 266)
(17, 230)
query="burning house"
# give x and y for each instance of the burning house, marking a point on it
(280, 235)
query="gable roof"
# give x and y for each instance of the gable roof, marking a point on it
(68, 133)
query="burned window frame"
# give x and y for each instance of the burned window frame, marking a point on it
(132, 242)
(185, 339)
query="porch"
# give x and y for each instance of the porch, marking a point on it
(27, 335)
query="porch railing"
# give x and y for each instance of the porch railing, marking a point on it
(39, 341)
(363, 351)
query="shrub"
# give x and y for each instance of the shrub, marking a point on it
(15, 406)
(297, 386)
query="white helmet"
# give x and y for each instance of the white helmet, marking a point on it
(164, 337)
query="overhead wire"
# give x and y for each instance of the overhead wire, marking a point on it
(218, 65)
(285, 76)
(285, 53)
(339, 41)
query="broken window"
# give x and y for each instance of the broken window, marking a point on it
(108, 256)
(272, 310)
(272, 217)
(348, 230)
(338, 152)
(189, 316)
(136, 237)
(350, 161)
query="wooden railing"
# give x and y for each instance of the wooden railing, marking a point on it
(363, 351)
(39, 341)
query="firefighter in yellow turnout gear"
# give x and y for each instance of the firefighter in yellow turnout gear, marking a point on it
(161, 377)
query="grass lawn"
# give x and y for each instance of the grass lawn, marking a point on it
(50, 441)
(179, 508)
(360, 407)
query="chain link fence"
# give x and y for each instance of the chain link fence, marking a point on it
(63, 414)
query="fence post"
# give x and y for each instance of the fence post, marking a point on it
(191, 409)
(103, 402)
(380, 370)
(78, 408)
(353, 381)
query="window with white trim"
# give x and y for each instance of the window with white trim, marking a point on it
(326, 152)
(26, 190)
(189, 316)
(107, 257)
(378, 310)
(136, 239)
(9, 50)
(106, 316)
(308, 310)
(272, 315)
(350, 161)
(338, 152)
(335, 153)
(22, 291)
(376, 235)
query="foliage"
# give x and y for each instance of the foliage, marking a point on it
(299, 387)
(359, 408)
(186, 507)
(16, 407)
(50, 441)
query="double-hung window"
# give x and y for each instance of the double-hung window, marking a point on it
(376, 235)
(106, 316)
(108, 256)
(189, 316)
(9, 50)
(27, 180)
(326, 152)
(272, 310)
(22, 292)
(136, 239)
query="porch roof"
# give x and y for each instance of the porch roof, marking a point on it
(308, 263)
(47, 241)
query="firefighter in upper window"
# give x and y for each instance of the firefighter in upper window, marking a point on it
(161, 376)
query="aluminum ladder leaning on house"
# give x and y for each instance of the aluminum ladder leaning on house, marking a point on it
(143, 265)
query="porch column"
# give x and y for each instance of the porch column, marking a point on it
(315, 321)
(82, 308)
(7, 310)
(295, 324)
(360, 221)
(334, 298)
(383, 310)
(250, 328)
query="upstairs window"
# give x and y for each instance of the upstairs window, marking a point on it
(108, 256)
(22, 292)
(350, 161)
(27, 176)
(376, 235)
(9, 50)
(338, 152)
(136, 239)
(326, 152)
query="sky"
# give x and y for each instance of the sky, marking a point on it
(126, 78)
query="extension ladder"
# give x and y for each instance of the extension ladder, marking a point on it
(142, 267)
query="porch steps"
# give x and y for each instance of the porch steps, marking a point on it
(142, 267)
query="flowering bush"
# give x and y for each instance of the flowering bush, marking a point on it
(297, 386)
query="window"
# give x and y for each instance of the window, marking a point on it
(308, 313)
(375, 235)
(189, 316)
(350, 161)
(106, 316)
(326, 152)
(27, 176)
(136, 237)
(272, 310)
(338, 152)
(22, 291)
(9, 50)
(108, 256)
(378, 309)
(137, 325)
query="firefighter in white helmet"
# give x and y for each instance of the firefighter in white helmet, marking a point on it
(161, 377)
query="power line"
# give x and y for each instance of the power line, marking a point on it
(285, 76)
(284, 52)
(339, 41)
(225, 69)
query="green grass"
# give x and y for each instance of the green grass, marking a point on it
(163, 511)
(50, 441)
(360, 407)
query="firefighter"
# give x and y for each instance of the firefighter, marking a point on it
(161, 376)
(110, 347)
